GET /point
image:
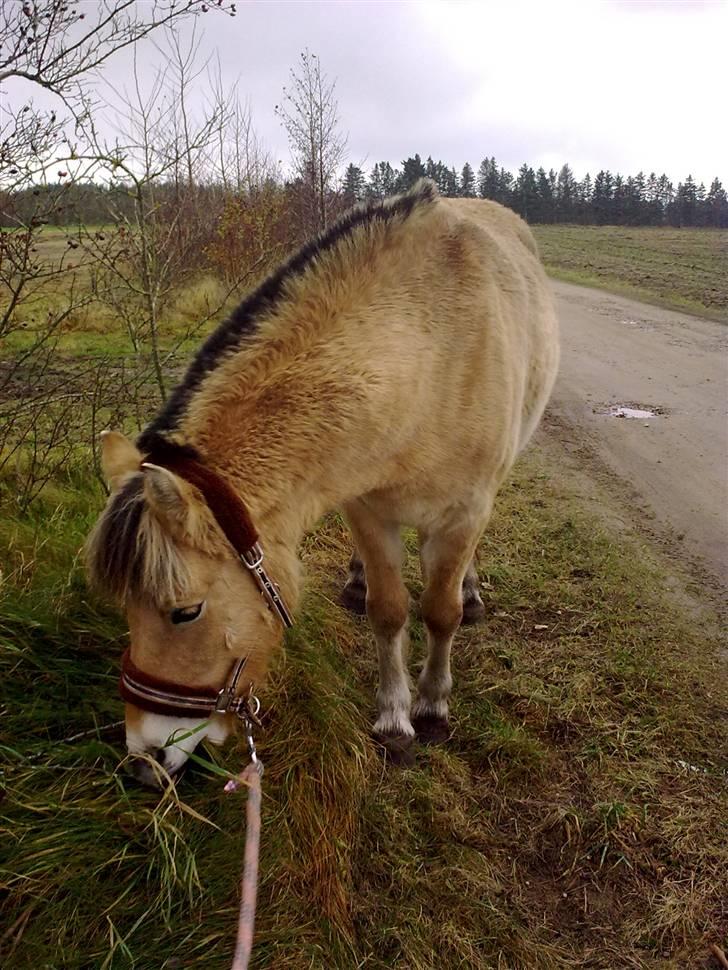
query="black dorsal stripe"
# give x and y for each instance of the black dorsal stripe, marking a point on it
(242, 323)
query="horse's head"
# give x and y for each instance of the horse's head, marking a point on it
(193, 608)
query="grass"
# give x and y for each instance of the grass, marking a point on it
(685, 269)
(558, 828)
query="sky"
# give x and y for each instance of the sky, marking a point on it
(626, 85)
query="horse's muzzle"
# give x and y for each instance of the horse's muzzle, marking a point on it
(152, 770)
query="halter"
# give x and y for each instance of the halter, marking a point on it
(167, 697)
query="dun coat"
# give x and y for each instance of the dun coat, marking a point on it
(394, 368)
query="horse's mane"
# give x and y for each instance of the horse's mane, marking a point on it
(243, 322)
(129, 552)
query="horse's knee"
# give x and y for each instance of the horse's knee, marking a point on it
(442, 612)
(387, 611)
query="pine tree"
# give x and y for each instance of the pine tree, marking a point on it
(701, 209)
(634, 193)
(390, 178)
(525, 193)
(488, 179)
(566, 194)
(618, 201)
(585, 192)
(717, 205)
(504, 191)
(438, 173)
(666, 194)
(354, 185)
(450, 186)
(383, 181)
(412, 169)
(374, 186)
(602, 198)
(467, 182)
(653, 211)
(686, 202)
(545, 192)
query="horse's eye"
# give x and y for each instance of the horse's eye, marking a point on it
(186, 614)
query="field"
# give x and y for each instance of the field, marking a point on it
(686, 269)
(576, 818)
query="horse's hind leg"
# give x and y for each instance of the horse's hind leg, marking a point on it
(387, 604)
(354, 594)
(473, 606)
(447, 557)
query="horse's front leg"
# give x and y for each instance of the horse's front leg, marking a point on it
(387, 604)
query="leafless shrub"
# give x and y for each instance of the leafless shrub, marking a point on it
(310, 115)
(46, 282)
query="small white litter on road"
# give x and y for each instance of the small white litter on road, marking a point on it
(622, 412)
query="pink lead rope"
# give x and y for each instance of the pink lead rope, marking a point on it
(250, 778)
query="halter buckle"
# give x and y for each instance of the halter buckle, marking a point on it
(252, 557)
(225, 701)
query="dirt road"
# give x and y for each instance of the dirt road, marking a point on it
(620, 353)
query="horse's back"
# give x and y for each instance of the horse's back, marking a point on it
(471, 351)
(511, 313)
(495, 219)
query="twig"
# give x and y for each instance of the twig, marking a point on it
(719, 955)
(77, 737)
(91, 731)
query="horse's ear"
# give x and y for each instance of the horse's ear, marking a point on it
(119, 457)
(166, 493)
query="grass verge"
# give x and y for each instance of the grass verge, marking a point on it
(575, 819)
(683, 269)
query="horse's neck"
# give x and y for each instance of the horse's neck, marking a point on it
(285, 463)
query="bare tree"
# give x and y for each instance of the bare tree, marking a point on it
(58, 47)
(158, 161)
(310, 115)
(243, 164)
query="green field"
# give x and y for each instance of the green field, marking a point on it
(686, 269)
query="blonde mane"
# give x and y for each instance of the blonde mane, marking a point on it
(130, 553)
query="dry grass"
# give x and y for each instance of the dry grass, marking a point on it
(560, 827)
(686, 269)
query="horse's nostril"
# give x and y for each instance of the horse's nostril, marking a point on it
(143, 770)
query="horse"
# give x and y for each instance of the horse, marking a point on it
(393, 369)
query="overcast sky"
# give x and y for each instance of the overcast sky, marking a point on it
(618, 84)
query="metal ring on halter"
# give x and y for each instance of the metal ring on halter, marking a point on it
(256, 702)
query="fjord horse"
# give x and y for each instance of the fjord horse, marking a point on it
(393, 368)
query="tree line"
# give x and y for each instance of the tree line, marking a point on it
(552, 197)
(536, 195)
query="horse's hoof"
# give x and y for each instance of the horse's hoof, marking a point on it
(398, 749)
(354, 598)
(431, 729)
(473, 612)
